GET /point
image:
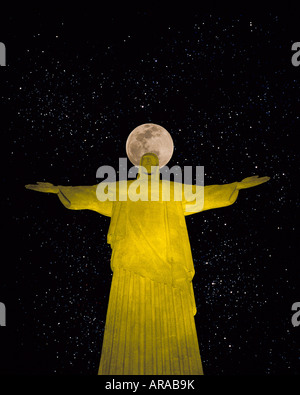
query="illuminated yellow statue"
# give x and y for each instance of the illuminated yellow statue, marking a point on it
(150, 327)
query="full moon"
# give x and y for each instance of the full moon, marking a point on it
(149, 137)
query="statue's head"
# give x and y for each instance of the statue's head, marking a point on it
(149, 160)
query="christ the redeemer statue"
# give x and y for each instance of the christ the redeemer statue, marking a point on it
(150, 327)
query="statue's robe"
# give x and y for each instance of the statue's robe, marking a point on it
(150, 327)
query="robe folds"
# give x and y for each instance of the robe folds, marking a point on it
(150, 327)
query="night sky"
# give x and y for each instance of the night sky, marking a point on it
(223, 85)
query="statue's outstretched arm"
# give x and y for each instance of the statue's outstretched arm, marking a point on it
(250, 182)
(216, 196)
(75, 198)
(45, 187)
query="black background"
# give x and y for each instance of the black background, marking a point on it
(77, 82)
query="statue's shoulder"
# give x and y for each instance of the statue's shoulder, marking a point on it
(173, 185)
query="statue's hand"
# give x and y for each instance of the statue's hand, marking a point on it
(46, 187)
(251, 182)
